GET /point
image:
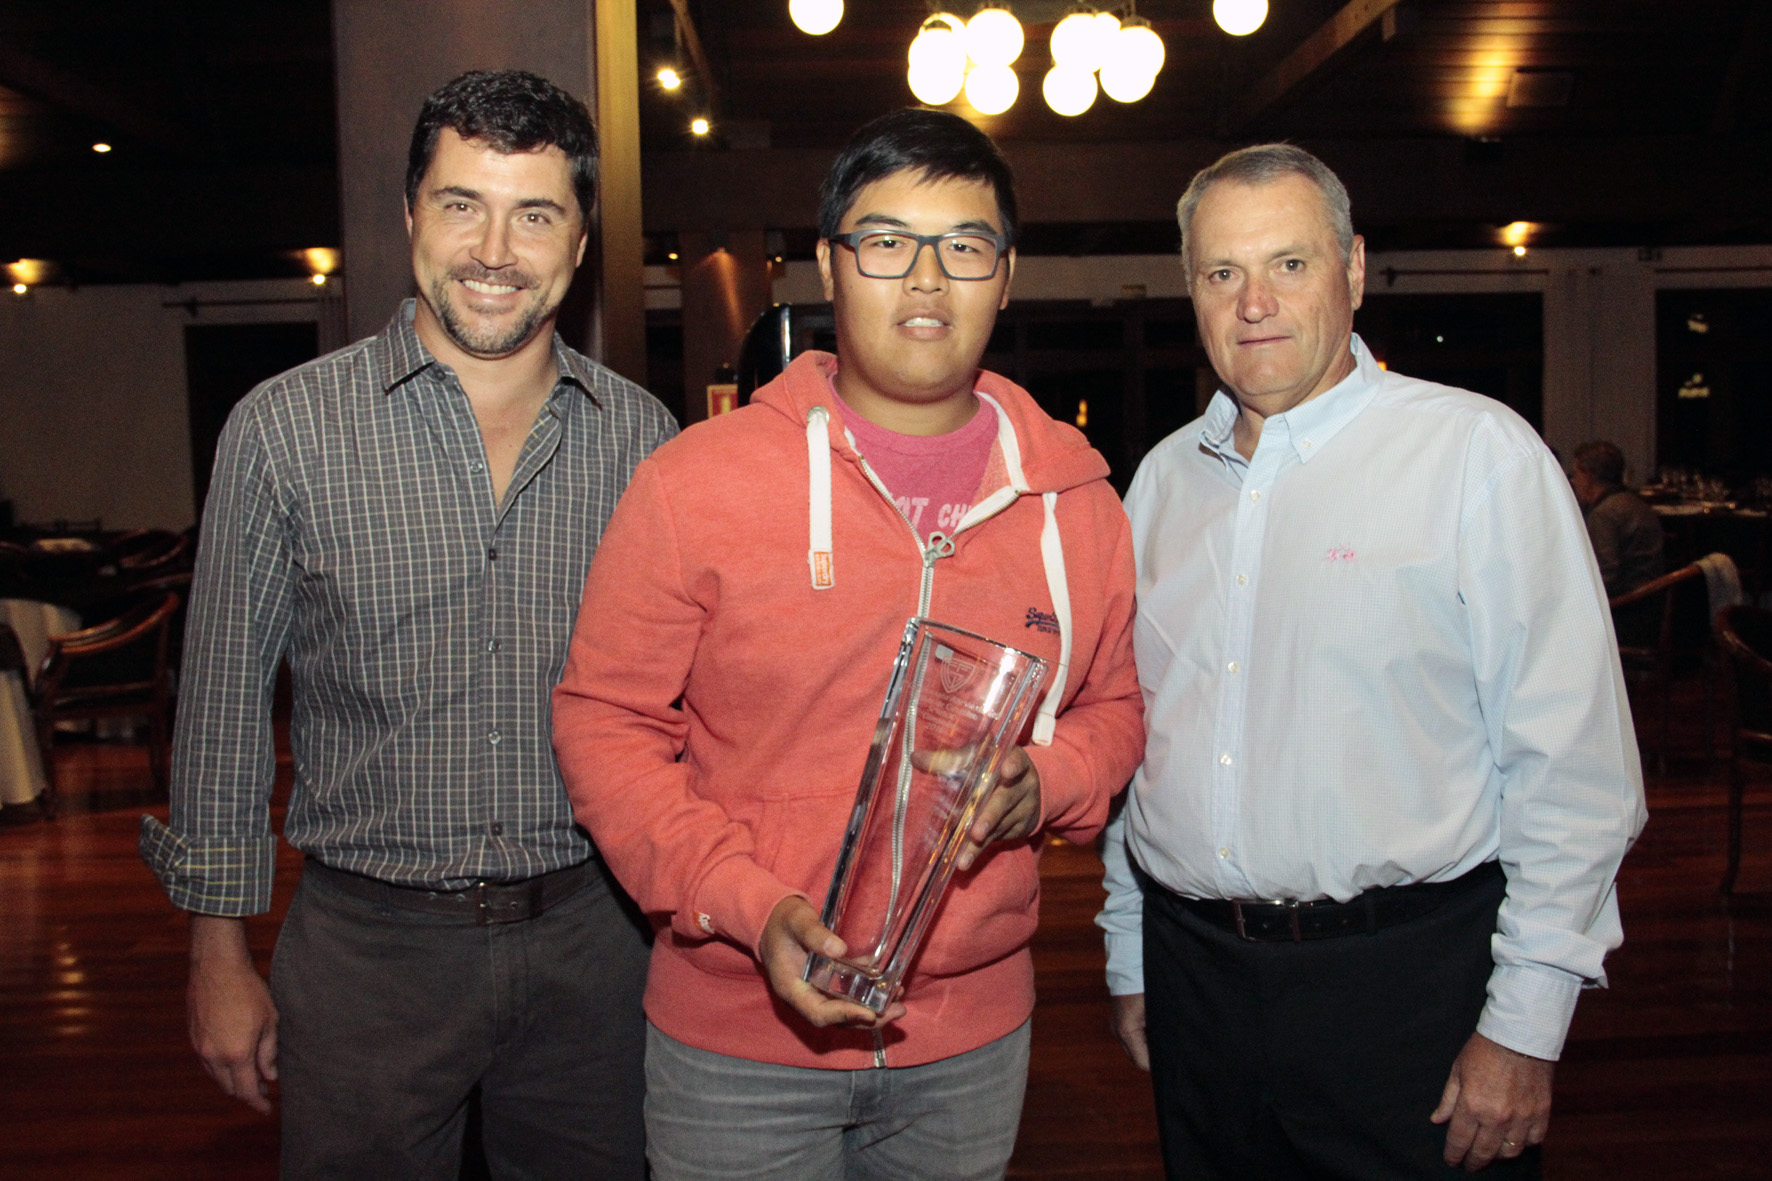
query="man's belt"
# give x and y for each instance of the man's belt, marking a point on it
(1288, 921)
(484, 903)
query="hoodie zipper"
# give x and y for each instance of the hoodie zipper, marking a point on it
(941, 545)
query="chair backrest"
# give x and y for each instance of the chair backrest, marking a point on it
(1744, 634)
(167, 555)
(1668, 616)
(124, 655)
(148, 590)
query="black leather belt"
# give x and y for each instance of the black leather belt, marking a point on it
(484, 903)
(1288, 921)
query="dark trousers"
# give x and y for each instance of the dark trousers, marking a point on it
(389, 1019)
(1320, 1059)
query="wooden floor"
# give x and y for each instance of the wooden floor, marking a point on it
(1667, 1075)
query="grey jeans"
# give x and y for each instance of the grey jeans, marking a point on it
(713, 1116)
(389, 1020)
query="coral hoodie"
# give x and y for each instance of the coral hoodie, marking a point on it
(738, 630)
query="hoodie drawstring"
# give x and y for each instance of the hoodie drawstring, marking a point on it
(1052, 558)
(818, 496)
(1052, 561)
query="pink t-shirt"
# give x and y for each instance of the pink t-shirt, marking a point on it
(932, 478)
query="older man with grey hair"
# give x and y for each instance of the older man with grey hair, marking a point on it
(1367, 864)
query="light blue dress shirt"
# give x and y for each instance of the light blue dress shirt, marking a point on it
(1378, 652)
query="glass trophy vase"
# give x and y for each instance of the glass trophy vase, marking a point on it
(954, 707)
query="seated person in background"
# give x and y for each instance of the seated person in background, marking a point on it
(1625, 531)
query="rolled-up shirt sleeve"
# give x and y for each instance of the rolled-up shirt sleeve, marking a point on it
(218, 854)
(1559, 728)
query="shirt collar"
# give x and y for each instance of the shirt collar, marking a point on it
(400, 355)
(1306, 428)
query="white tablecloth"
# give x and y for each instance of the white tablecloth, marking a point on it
(21, 766)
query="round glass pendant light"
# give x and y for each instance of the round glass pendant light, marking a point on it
(1069, 90)
(992, 89)
(994, 37)
(937, 64)
(815, 16)
(1138, 46)
(1125, 85)
(1080, 40)
(1239, 18)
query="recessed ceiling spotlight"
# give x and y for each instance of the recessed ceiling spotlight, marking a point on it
(669, 78)
(318, 280)
(19, 289)
(672, 256)
(101, 149)
(700, 127)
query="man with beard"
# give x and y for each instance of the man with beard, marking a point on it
(409, 522)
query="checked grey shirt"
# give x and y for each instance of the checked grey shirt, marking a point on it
(351, 528)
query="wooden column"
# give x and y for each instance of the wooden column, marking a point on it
(725, 288)
(621, 282)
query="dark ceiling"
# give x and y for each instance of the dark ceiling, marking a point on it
(221, 113)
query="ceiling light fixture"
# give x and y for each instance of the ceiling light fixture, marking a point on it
(992, 89)
(937, 61)
(1082, 39)
(1239, 18)
(317, 280)
(817, 17)
(1069, 90)
(101, 149)
(669, 78)
(20, 289)
(994, 37)
(700, 126)
(1133, 61)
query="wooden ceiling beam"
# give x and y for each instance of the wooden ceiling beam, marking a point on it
(30, 75)
(1309, 61)
(698, 55)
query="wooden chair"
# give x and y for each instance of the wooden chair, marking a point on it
(116, 669)
(162, 558)
(1744, 635)
(1664, 631)
(153, 590)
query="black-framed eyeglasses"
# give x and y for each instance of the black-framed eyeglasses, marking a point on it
(892, 254)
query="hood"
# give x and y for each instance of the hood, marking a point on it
(1034, 456)
(1053, 456)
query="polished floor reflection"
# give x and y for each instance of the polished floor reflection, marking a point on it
(1667, 1074)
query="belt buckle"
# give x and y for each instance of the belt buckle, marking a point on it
(488, 912)
(1292, 905)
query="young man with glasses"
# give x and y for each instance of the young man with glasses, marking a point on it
(736, 639)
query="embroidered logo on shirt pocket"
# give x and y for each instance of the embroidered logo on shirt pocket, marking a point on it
(1340, 553)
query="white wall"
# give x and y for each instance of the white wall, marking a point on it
(94, 419)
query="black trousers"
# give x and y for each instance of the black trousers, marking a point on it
(389, 1019)
(1322, 1059)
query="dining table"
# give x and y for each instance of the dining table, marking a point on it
(1695, 528)
(21, 763)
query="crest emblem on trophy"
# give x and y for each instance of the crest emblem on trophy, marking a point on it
(956, 670)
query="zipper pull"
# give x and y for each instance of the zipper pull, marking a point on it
(940, 546)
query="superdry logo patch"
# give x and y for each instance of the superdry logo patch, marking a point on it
(1041, 621)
